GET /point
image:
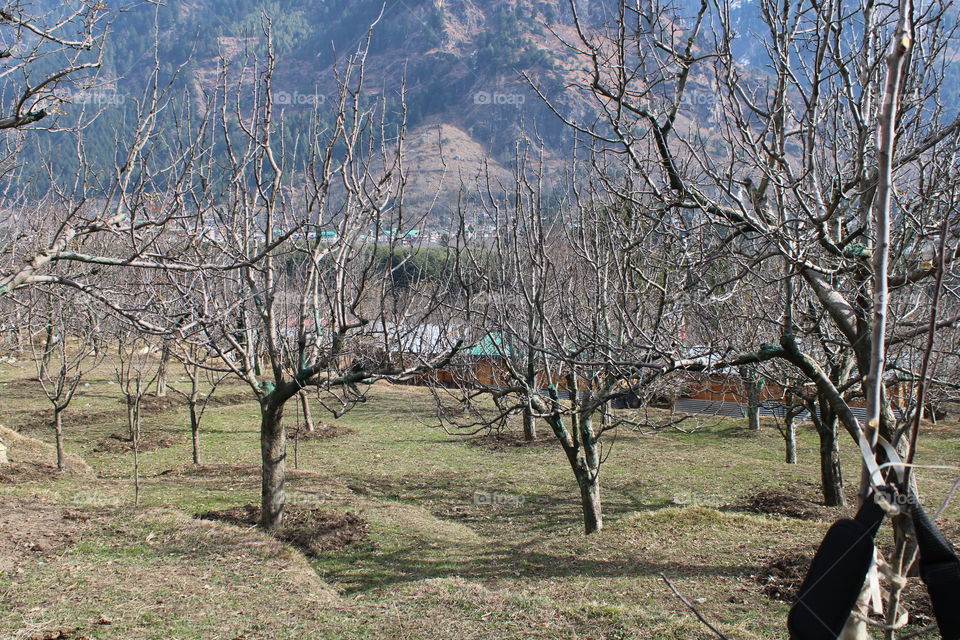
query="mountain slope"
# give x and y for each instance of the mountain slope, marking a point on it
(465, 68)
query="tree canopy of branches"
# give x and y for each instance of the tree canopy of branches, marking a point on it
(825, 184)
(315, 305)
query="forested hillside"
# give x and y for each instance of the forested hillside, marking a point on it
(466, 68)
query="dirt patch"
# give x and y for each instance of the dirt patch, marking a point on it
(40, 421)
(158, 404)
(149, 441)
(950, 528)
(61, 633)
(231, 399)
(781, 576)
(32, 529)
(22, 472)
(790, 504)
(320, 432)
(312, 531)
(916, 600)
(214, 471)
(780, 579)
(507, 440)
(30, 384)
(232, 471)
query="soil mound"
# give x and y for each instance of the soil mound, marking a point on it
(31, 460)
(780, 578)
(149, 441)
(312, 531)
(506, 440)
(789, 504)
(320, 432)
(71, 419)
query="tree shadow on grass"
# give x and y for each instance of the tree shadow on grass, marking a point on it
(538, 537)
(489, 507)
(412, 564)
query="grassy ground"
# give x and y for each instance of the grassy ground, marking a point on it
(440, 561)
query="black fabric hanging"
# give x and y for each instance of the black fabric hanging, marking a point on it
(940, 571)
(836, 577)
(839, 570)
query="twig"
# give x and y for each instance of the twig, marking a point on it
(919, 632)
(692, 608)
(946, 501)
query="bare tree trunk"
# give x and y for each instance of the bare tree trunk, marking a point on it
(791, 438)
(587, 470)
(307, 415)
(130, 419)
(195, 430)
(590, 501)
(529, 423)
(273, 456)
(529, 426)
(752, 383)
(753, 417)
(161, 390)
(831, 475)
(579, 445)
(58, 434)
(133, 414)
(136, 473)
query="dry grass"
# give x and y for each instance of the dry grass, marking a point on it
(159, 574)
(713, 510)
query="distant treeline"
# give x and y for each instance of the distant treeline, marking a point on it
(408, 266)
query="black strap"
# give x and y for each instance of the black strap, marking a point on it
(940, 571)
(836, 577)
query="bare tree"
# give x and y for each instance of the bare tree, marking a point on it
(67, 344)
(135, 372)
(315, 304)
(95, 225)
(571, 318)
(800, 169)
(204, 373)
